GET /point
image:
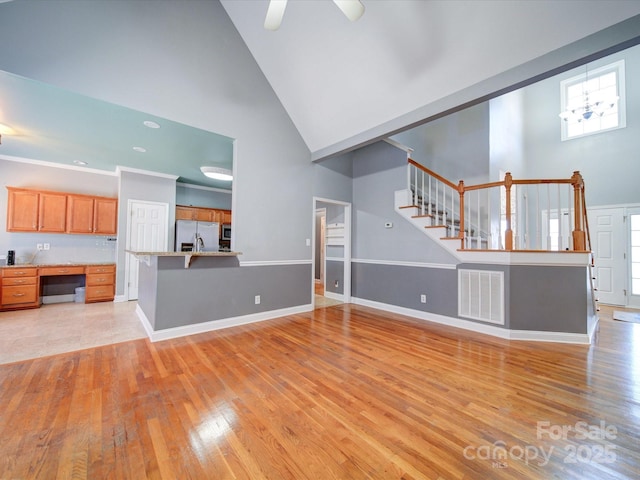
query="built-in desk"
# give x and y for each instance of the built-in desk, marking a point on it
(21, 285)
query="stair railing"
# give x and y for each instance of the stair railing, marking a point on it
(435, 196)
(538, 215)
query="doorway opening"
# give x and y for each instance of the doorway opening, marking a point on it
(331, 262)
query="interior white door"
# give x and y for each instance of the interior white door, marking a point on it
(608, 236)
(147, 231)
(633, 299)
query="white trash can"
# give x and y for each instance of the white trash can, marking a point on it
(80, 291)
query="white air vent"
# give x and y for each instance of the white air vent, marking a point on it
(481, 295)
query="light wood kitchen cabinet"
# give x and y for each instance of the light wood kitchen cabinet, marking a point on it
(36, 211)
(203, 214)
(92, 215)
(225, 216)
(100, 283)
(19, 288)
(184, 213)
(60, 212)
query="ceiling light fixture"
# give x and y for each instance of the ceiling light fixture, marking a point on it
(582, 108)
(217, 173)
(352, 9)
(140, 149)
(150, 124)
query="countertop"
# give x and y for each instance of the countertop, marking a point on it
(65, 264)
(186, 254)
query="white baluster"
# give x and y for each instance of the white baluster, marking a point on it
(559, 219)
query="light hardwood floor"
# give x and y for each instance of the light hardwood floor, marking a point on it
(345, 392)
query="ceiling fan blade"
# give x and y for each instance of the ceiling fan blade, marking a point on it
(275, 12)
(353, 9)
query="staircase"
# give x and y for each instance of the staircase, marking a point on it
(541, 222)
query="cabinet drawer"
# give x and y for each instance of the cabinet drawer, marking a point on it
(14, 295)
(19, 272)
(61, 271)
(101, 279)
(100, 269)
(96, 293)
(7, 281)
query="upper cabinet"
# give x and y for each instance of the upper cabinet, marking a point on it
(36, 211)
(92, 215)
(59, 212)
(203, 214)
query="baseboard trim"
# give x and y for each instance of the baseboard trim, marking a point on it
(334, 296)
(120, 299)
(505, 333)
(176, 332)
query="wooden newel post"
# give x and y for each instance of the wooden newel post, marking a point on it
(461, 230)
(579, 240)
(508, 233)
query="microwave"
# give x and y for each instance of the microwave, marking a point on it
(226, 231)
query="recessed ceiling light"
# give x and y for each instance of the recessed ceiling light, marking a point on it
(150, 124)
(217, 173)
(80, 162)
(140, 149)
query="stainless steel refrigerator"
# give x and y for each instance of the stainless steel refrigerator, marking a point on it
(195, 236)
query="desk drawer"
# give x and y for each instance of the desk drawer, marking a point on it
(14, 295)
(19, 272)
(101, 279)
(98, 293)
(100, 269)
(49, 271)
(7, 281)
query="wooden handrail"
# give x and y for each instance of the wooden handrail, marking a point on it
(433, 174)
(580, 234)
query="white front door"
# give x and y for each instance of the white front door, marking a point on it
(634, 257)
(608, 236)
(147, 231)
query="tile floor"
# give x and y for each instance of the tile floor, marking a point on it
(66, 327)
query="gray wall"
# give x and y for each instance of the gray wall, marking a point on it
(217, 288)
(195, 196)
(135, 57)
(608, 161)
(379, 170)
(455, 146)
(64, 248)
(137, 186)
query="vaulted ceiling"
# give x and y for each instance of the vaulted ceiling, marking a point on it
(338, 81)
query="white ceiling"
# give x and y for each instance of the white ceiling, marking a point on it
(337, 79)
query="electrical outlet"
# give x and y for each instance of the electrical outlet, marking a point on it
(47, 246)
(257, 299)
(39, 246)
(423, 298)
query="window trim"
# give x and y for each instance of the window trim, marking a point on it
(619, 68)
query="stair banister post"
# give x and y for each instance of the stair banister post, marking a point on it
(578, 232)
(508, 233)
(461, 227)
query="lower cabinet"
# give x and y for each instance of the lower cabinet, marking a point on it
(20, 288)
(100, 283)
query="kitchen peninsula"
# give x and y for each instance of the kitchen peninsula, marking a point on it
(183, 293)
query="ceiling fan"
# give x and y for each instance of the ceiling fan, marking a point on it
(353, 10)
